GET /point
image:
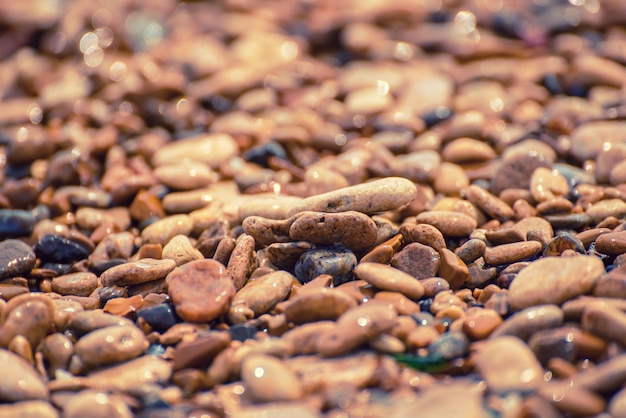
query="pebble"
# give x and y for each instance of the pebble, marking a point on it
(479, 323)
(370, 198)
(449, 345)
(16, 258)
(339, 262)
(420, 166)
(16, 223)
(511, 253)
(605, 322)
(471, 250)
(605, 208)
(40, 409)
(524, 323)
(131, 375)
(180, 249)
(201, 290)
(554, 280)
(452, 224)
(29, 316)
(188, 176)
(424, 234)
(161, 231)
(317, 305)
(269, 379)
(211, 149)
(77, 284)
(54, 248)
(97, 405)
(489, 203)
(160, 317)
(546, 184)
(588, 139)
(137, 272)
(570, 343)
(260, 295)
(418, 260)
(200, 351)
(612, 243)
(435, 402)
(453, 269)
(242, 260)
(111, 345)
(351, 229)
(507, 364)
(467, 150)
(20, 381)
(390, 279)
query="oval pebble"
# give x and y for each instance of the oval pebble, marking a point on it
(16, 258)
(351, 229)
(451, 224)
(269, 379)
(211, 149)
(111, 345)
(388, 278)
(137, 272)
(338, 262)
(20, 381)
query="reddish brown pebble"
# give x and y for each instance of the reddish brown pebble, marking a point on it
(418, 260)
(510, 253)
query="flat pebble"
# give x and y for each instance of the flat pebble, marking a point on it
(97, 405)
(589, 138)
(546, 184)
(418, 260)
(131, 375)
(16, 258)
(479, 323)
(317, 305)
(420, 166)
(260, 296)
(16, 223)
(211, 149)
(351, 229)
(452, 224)
(39, 409)
(160, 317)
(161, 231)
(613, 243)
(269, 379)
(338, 262)
(424, 234)
(188, 176)
(489, 203)
(33, 318)
(511, 253)
(201, 290)
(180, 249)
(391, 279)
(373, 197)
(137, 272)
(507, 364)
(554, 280)
(524, 323)
(449, 345)
(78, 284)
(54, 248)
(467, 150)
(605, 208)
(605, 322)
(111, 345)
(568, 342)
(20, 381)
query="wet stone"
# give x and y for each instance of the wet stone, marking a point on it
(54, 248)
(564, 242)
(137, 272)
(77, 284)
(424, 234)
(338, 262)
(160, 317)
(388, 278)
(16, 258)
(16, 223)
(418, 260)
(96, 404)
(269, 379)
(511, 253)
(452, 224)
(20, 381)
(111, 345)
(524, 323)
(613, 243)
(449, 345)
(201, 290)
(568, 342)
(554, 280)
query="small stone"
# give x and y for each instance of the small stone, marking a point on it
(451, 224)
(260, 295)
(242, 260)
(55, 248)
(391, 193)
(391, 279)
(200, 351)
(97, 405)
(317, 305)
(507, 364)
(16, 258)
(269, 379)
(111, 345)
(77, 284)
(489, 203)
(180, 249)
(554, 280)
(161, 231)
(546, 184)
(471, 250)
(160, 317)
(449, 345)
(479, 323)
(453, 269)
(511, 253)
(20, 381)
(32, 318)
(211, 149)
(338, 262)
(418, 260)
(524, 323)
(605, 208)
(201, 290)
(563, 242)
(57, 350)
(613, 243)
(16, 223)
(420, 166)
(137, 272)
(589, 138)
(567, 342)
(131, 375)
(189, 175)
(351, 229)
(605, 322)
(424, 234)
(39, 409)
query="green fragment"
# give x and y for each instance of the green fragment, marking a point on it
(430, 364)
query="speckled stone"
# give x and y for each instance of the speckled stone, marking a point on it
(418, 260)
(451, 224)
(16, 258)
(137, 272)
(338, 262)
(449, 345)
(554, 280)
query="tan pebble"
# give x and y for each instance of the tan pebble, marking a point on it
(617, 405)
(418, 260)
(453, 269)
(131, 375)
(351, 229)
(355, 327)
(20, 346)
(323, 180)
(471, 250)
(373, 197)
(388, 278)
(146, 205)
(508, 364)
(78, 284)
(554, 280)
(91, 218)
(443, 300)
(242, 260)
(402, 304)
(317, 305)
(455, 204)
(618, 174)
(422, 336)
(57, 350)
(434, 285)
(510, 253)
(546, 184)
(573, 399)
(39, 409)
(555, 205)
(32, 319)
(420, 166)
(180, 249)
(268, 231)
(380, 254)
(524, 323)
(83, 322)
(367, 100)
(260, 296)
(605, 208)
(387, 344)
(161, 231)
(123, 306)
(451, 312)
(424, 234)
(111, 345)
(467, 150)
(489, 203)
(612, 243)
(201, 290)
(211, 149)
(451, 180)
(302, 338)
(189, 175)
(479, 323)
(97, 405)
(605, 322)
(137, 272)
(453, 224)
(20, 381)
(269, 379)
(188, 201)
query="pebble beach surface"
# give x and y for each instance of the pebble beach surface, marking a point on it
(313, 209)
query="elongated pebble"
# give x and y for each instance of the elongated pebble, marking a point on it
(390, 193)
(137, 272)
(452, 224)
(388, 278)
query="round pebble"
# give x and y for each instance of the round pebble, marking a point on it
(338, 262)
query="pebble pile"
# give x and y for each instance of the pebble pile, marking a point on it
(312, 208)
